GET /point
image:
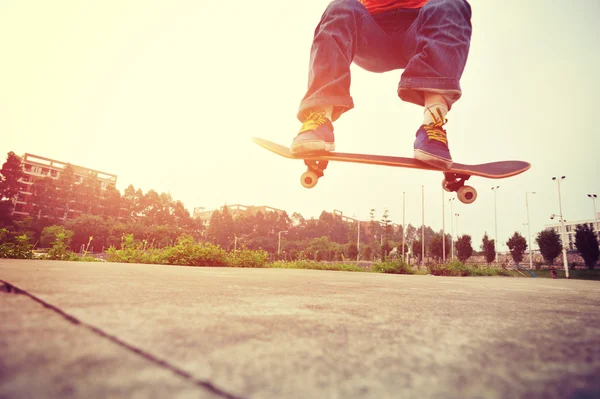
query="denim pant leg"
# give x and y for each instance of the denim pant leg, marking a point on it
(346, 30)
(437, 46)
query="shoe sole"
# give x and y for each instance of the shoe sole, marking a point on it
(307, 147)
(432, 160)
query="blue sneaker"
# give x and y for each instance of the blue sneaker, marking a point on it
(316, 135)
(431, 145)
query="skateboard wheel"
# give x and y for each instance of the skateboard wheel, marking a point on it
(466, 194)
(309, 179)
(445, 185)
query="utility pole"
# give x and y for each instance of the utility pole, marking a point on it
(529, 230)
(403, 223)
(495, 189)
(593, 197)
(452, 227)
(562, 222)
(279, 242)
(422, 224)
(443, 228)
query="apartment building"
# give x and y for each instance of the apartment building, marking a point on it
(570, 228)
(37, 167)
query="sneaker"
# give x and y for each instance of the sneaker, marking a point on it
(316, 135)
(431, 145)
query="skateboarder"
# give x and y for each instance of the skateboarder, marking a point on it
(429, 39)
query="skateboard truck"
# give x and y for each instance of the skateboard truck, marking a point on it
(455, 182)
(314, 171)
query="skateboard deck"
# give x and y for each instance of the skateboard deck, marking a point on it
(454, 178)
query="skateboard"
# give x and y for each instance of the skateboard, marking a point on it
(454, 178)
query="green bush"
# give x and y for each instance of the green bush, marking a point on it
(20, 248)
(60, 246)
(247, 258)
(187, 253)
(459, 269)
(455, 268)
(393, 267)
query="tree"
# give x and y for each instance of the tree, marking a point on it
(46, 203)
(351, 250)
(111, 202)
(464, 249)
(417, 250)
(87, 194)
(226, 233)
(131, 203)
(50, 233)
(586, 242)
(436, 247)
(86, 226)
(489, 249)
(411, 234)
(214, 226)
(10, 174)
(517, 245)
(65, 190)
(549, 243)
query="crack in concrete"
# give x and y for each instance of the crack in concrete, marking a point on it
(12, 289)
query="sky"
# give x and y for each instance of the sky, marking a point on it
(167, 96)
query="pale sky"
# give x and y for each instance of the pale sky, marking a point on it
(167, 95)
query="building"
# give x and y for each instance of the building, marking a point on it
(235, 210)
(571, 226)
(37, 167)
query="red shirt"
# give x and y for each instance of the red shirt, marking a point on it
(378, 6)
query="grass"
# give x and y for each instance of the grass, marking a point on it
(305, 264)
(575, 274)
(396, 267)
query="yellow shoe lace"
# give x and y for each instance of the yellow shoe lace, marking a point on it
(313, 121)
(434, 130)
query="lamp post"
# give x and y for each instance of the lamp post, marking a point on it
(452, 227)
(443, 229)
(562, 223)
(403, 224)
(358, 241)
(593, 197)
(422, 225)
(279, 242)
(495, 189)
(529, 229)
(457, 233)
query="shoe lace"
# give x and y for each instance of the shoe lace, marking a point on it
(435, 130)
(313, 121)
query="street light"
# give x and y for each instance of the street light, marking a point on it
(562, 222)
(457, 233)
(403, 224)
(451, 227)
(593, 197)
(422, 225)
(443, 228)
(495, 189)
(279, 242)
(529, 230)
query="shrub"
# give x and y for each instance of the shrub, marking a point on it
(395, 267)
(187, 253)
(247, 258)
(19, 249)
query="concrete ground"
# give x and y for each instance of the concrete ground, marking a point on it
(102, 330)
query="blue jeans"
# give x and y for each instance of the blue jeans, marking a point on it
(431, 44)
